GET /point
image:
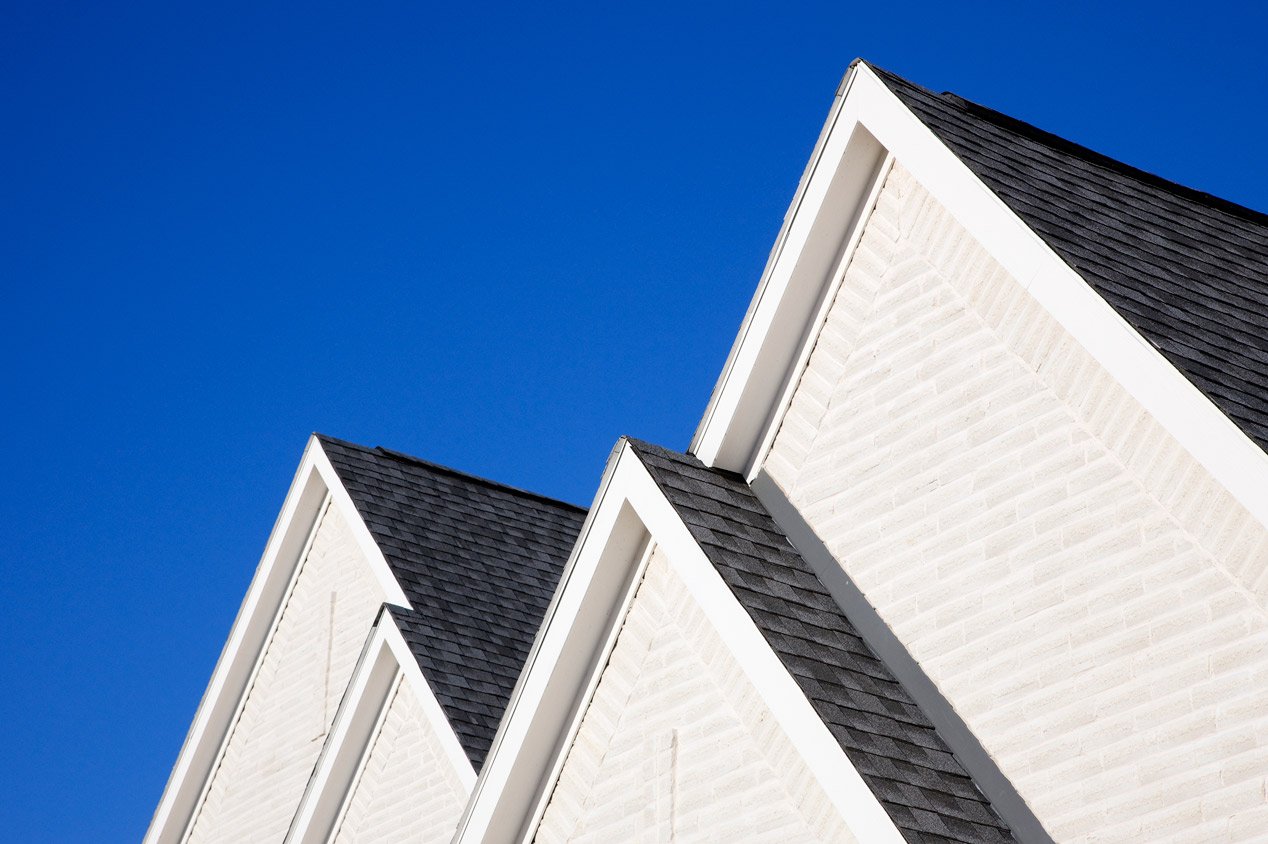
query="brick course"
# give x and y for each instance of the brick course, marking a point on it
(676, 745)
(407, 789)
(1088, 599)
(282, 725)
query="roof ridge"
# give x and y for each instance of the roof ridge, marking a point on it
(1100, 159)
(402, 457)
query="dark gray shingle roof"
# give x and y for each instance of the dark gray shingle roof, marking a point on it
(881, 729)
(1187, 270)
(479, 562)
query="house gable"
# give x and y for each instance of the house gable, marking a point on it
(1088, 599)
(406, 791)
(392, 767)
(469, 566)
(882, 764)
(972, 220)
(676, 740)
(286, 714)
(319, 548)
(869, 126)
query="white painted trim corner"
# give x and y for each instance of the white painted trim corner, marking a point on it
(631, 516)
(749, 399)
(314, 488)
(386, 663)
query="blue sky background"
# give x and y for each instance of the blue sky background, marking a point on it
(497, 237)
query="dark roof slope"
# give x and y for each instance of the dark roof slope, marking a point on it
(1188, 270)
(881, 729)
(479, 562)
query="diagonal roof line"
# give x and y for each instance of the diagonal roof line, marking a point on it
(1043, 136)
(478, 562)
(1188, 271)
(449, 470)
(896, 749)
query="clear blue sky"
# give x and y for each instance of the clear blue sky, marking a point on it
(496, 237)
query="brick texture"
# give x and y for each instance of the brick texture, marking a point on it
(407, 790)
(283, 721)
(1088, 599)
(676, 745)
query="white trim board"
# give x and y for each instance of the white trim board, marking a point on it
(572, 648)
(315, 487)
(869, 121)
(386, 662)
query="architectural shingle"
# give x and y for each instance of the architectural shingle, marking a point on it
(880, 727)
(479, 563)
(1187, 270)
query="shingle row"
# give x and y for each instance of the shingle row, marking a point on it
(479, 563)
(880, 727)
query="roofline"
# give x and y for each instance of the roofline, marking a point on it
(386, 662)
(799, 283)
(314, 490)
(775, 323)
(402, 457)
(1091, 156)
(631, 515)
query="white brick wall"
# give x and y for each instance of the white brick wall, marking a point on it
(306, 666)
(676, 745)
(407, 790)
(1090, 601)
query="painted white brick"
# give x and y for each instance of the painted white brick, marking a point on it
(407, 790)
(1088, 599)
(280, 729)
(676, 745)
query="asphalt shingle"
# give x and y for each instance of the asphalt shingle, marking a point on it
(479, 563)
(880, 727)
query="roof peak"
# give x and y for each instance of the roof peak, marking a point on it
(409, 459)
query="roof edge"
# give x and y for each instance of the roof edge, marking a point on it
(402, 457)
(1057, 142)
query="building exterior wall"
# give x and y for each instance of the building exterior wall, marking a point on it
(280, 729)
(407, 789)
(1083, 593)
(676, 745)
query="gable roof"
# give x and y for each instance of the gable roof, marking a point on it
(478, 561)
(1187, 270)
(895, 748)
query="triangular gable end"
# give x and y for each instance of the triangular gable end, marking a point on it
(1008, 486)
(364, 528)
(316, 497)
(869, 127)
(389, 735)
(641, 573)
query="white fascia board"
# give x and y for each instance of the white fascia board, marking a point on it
(727, 437)
(549, 703)
(314, 488)
(854, 800)
(825, 211)
(707, 432)
(540, 711)
(386, 662)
